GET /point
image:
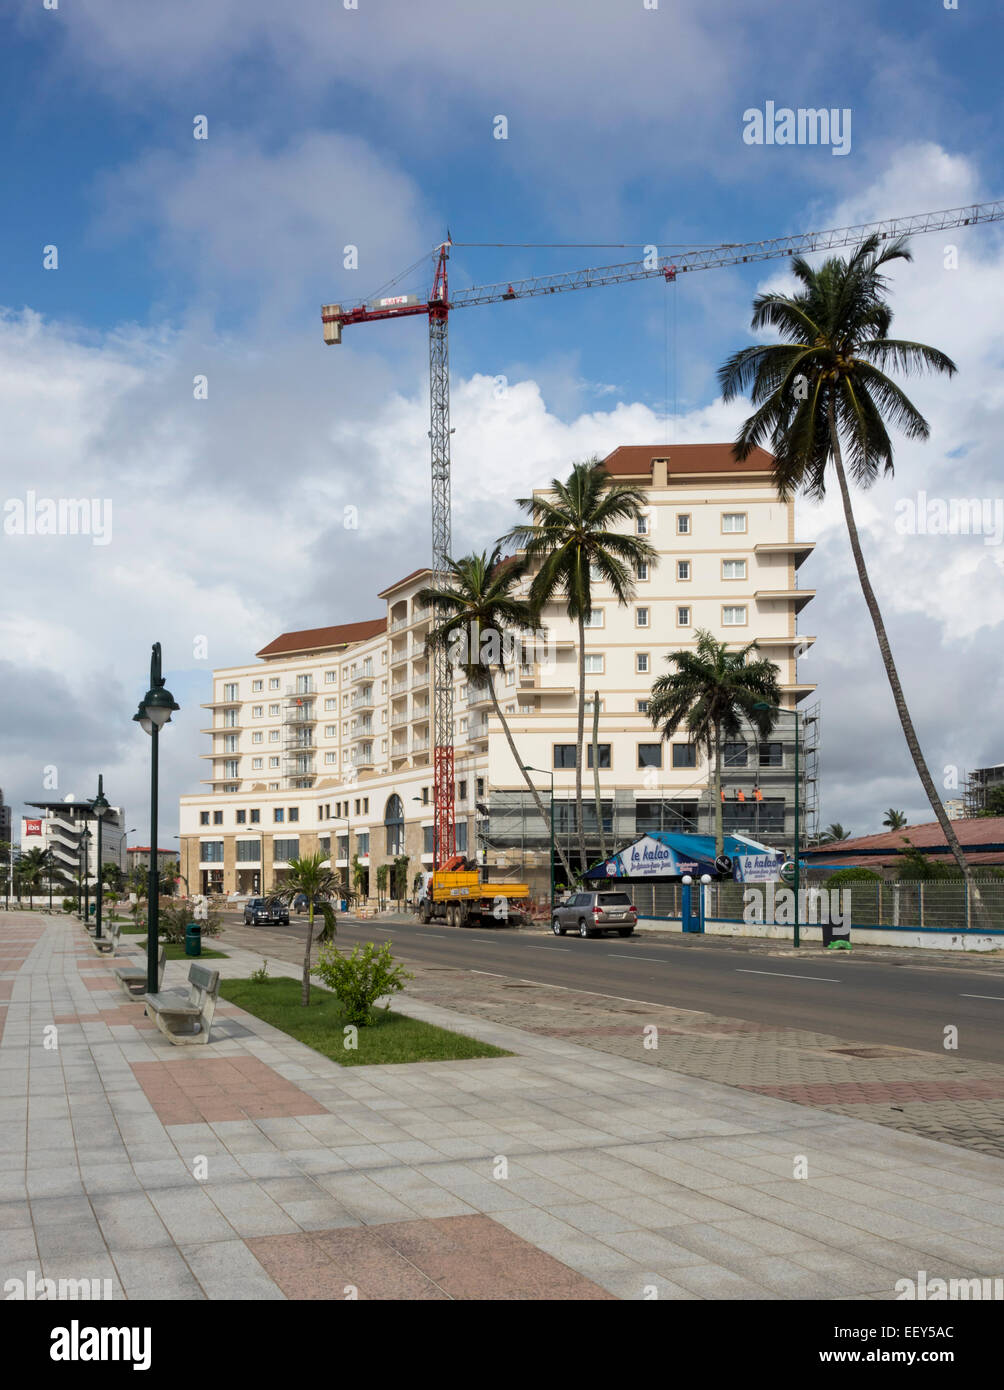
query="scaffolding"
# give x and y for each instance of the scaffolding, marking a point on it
(977, 784)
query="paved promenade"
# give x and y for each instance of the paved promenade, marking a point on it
(255, 1168)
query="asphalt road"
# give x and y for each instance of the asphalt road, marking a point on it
(851, 997)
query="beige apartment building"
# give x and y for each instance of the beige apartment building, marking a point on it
(325, 740)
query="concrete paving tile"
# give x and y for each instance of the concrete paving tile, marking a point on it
(129, 1221)
(189, 1215)
(712, 1281)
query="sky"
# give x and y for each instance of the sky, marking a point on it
(161, 351)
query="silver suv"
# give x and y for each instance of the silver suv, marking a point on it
(591, 914)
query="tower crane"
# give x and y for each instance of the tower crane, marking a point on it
(437, 309)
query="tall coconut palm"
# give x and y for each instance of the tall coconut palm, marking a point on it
(710, 693)
(573, 536)
(894, 820)
(834, 833)
(822, 391)
(480, 612)
(308, 875)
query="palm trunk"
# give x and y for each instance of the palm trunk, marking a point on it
(719, 826)
(305, 996)
(596, 773)
(526, 776)
(579, 739)
(912, 742)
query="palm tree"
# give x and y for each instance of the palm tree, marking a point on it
(710, 693)
(308, 875)
(32, 867)
(894, 820)
(821, 390)
(572, 534)
(833, 833)
(482, 602)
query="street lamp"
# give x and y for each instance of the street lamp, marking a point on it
(85, 841)
(99, 809)
(154, 712)
(548, 773)
(777, 709)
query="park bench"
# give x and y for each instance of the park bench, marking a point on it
(132, 978)
(187, 1020)
(111, 935)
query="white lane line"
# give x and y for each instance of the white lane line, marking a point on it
(783, 975)
(982, 996)
(494, 973)
(549, 948)
(440, 934)
(616, 955)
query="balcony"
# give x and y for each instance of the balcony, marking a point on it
(303, 686)
(419, 745)
(361, 673)
(478, 732)
(220, 704)
(363, 757)
(396, 657)
(299, 711)
(419, 680)
(798, 550)
(396, 624)
(399, 688)
(399, 750)
(798, 598)
(420, 712)
(364, 729)
(362, 699)
(398, 720)
(478, 697)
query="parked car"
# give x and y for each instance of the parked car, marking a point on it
(259, 910)
(593, 913)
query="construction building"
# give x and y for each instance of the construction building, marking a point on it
(324, 742)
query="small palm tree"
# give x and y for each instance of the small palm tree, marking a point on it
(572, 534)
(308, 875)
(894, 820)
(32, 867)
(822, 390)
(482, 601)
(710, 693)
(834, 833)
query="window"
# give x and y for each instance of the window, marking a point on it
(345, 702)
(564, 755)
(278, 815)
(594, 664)
(257, 686)
(683, 523)
(273, 711)
(393, 819)
(604, 752)
(757, 817)
(230, 719)
(650, 755)
(641, 524)
(273, 735)
(733, 569)
(461, 830)
(273, 762)
(294, 813)
(217, 817)
(211, 851)
(330, 677)
(641, 617)
(683, 570)
(257, 711)
(428, 833)
(273, 786)
(230, 690)
(273, 683)
(642, 706)
(258, 736)
(641, 663)
(733, 522)
(734, 615)
(595, 619)
(285, 850)
(683, 616)
(463, 726)
(357, 806)
(203, 817)
(461, 791)
(248, 852)
(257, 764)
(734, 754)
(684, 755)
(331, 731)
(256, 817)
(330, 758)
(363, 843)
(481, 786)
(366, 805)
(771, 755)
(665, 815)
(641, 571)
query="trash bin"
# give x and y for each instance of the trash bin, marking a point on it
(93, 909)
(342, 905)
(837, 936)
(193, 939)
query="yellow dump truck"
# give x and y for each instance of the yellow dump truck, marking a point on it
(463, 898)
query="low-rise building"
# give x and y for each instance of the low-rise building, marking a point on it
(61, 827)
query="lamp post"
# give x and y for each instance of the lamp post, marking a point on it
(777, 709)
(99, 809)
(85, 840)
(154, 712)
(547, 773)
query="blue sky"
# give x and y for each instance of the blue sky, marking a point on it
(374, 127)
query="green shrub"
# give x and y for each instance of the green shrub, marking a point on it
(69, 904)
(359, 980)
(852, 876)
(175, 916)
(259, 976)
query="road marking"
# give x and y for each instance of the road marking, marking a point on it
(440, 934)
(494, 973)
(783, 975)
(982, 996)
(549, 948)
(616, 955)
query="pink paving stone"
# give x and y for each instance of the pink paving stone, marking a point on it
(223, 1089)
(458, 1257)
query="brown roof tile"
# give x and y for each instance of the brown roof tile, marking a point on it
(634, 460)
(314, 639)
(401, 582)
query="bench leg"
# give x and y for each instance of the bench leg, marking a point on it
(179, 1039)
